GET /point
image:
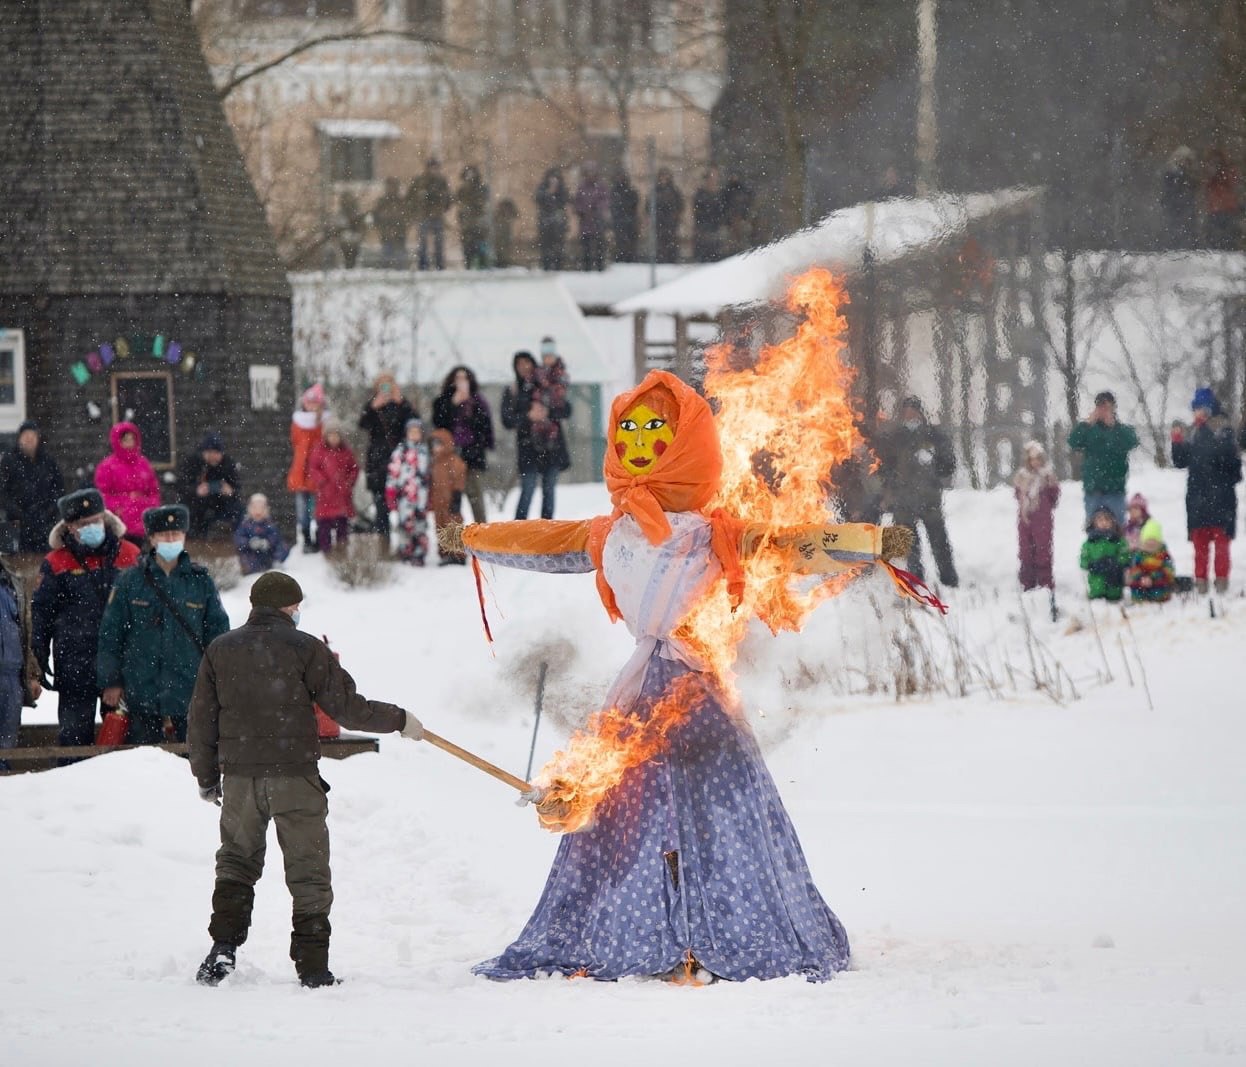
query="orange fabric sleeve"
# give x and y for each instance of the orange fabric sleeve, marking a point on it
(528, 537)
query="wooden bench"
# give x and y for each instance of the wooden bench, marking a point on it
(38, 750)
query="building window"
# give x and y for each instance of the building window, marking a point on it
(351, 159)
(12, 380)
(426, 15)
(256, 10)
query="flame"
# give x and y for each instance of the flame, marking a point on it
(610, 743)
(784, 420)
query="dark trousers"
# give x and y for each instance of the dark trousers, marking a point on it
(592, 251)
(381, 523)
(330, 532)
(299, 807)
(527, 489)
(76, 715)
(208, 511)
(432, 231)
(930, 517)
(148, 729)
(10, 710)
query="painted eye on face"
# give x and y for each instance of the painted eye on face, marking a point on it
(627, 424)
(655, 424)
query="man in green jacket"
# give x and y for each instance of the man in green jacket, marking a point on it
(161, 615)
(1105, 444)
(253, 721)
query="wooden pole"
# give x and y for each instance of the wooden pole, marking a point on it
(480, 764)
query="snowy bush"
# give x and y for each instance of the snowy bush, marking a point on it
(363, 563)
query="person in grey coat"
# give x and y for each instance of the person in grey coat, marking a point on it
(254, 750)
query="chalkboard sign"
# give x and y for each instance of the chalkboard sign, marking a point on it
(145, 398)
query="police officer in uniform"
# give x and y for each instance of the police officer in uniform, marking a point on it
(162, 614)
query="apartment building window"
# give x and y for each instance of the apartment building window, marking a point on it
(351, 147)
(426, 15)
(352, 159)
(257, 10)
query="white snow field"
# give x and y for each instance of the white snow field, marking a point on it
(1024, 881)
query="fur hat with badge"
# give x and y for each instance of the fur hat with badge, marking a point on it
(163, 519)
(83, 504)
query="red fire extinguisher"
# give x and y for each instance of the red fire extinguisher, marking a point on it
(113, 729)
(326, 727)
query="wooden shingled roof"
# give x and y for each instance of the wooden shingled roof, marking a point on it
(118, 170)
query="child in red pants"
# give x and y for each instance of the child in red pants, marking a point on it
(1209, 452)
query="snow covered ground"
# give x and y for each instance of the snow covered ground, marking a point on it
(1024, 881)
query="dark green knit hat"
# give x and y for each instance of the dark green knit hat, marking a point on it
(276, 590)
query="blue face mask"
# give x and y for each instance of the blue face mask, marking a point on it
(169, 550)
(91, 535)
(294, 618)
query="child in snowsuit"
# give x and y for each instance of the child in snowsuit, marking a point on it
(1136, 515)
(1037, 492)
(259, 542)
(406, 491)
(333, 470)
(448, 479)
(1104, 555)
(1151, 574)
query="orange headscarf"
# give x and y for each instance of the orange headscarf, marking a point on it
(684, 478)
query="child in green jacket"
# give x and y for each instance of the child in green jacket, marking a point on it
(1104, 556)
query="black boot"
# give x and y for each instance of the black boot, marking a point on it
(309, 949)
(218, 965)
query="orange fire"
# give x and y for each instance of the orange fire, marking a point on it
(784, 420)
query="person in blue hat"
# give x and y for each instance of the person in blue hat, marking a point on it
(1209, 452)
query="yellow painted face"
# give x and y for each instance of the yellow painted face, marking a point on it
(640, 438)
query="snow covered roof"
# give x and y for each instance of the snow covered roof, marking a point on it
(421, 325)
(369, 129)
(893, 230)
(619, 281)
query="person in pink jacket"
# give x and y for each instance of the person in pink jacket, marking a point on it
(127, 481)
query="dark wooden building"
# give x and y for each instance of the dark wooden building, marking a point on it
(138, 278)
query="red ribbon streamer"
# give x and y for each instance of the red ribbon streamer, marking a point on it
(914, 588)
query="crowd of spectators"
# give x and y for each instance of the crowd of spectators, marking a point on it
(607, 217)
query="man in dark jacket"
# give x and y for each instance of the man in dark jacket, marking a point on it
(210, 487)
(1105, 444)
(1210, 453)
(708, 217)
(536, 413)
(592, 199)
(917, 460)
(429, 199)
(252, 720)
(391, 215)
(668, 206)
(624, 218)
(75, 579)
(161, 615)
(30, 485)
